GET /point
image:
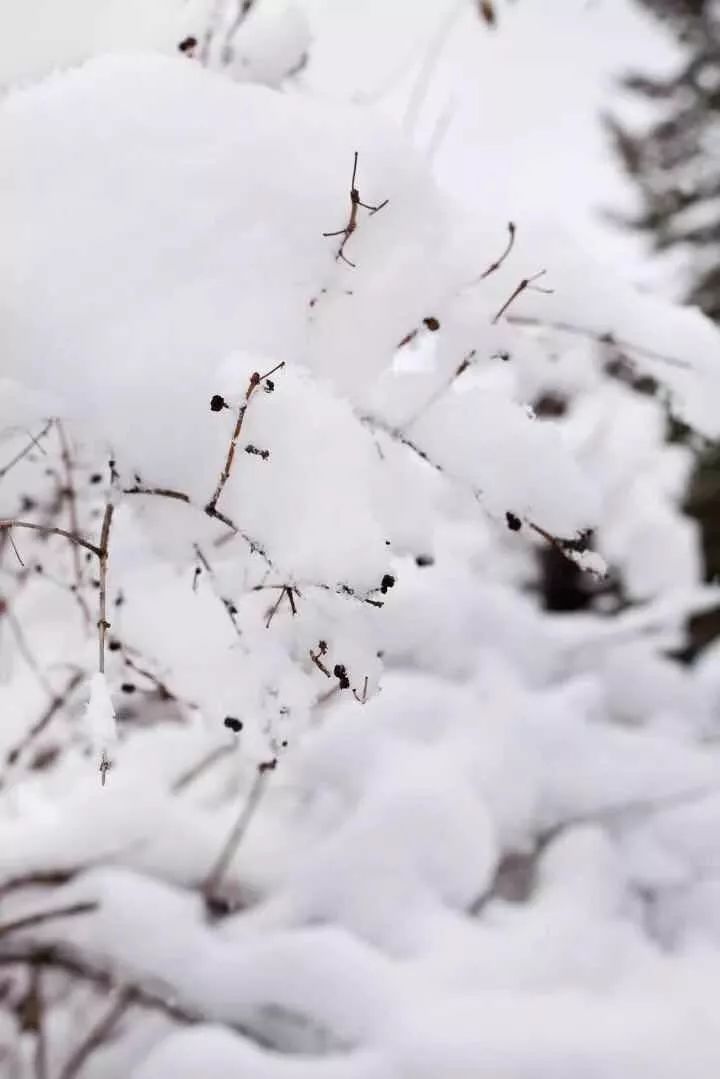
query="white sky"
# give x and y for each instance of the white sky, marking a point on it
(521, 102)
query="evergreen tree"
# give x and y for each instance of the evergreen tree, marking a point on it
(675, 165)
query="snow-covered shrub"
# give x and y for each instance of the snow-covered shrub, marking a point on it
(281, 518)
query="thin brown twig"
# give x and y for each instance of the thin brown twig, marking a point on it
(603, 337)
(97, 1034)
(103, 625)
(443, 389)
(213, 512)
(568, 547)
(30, 921)
(187, 778)
(351, 226)
(71, 495)
(51, 530)
(34, 443)
(25, 650)
(494, 266)
(526, 283)
(48, 715)
(40, 1059)
(228, 605)
(237, 832)
(254, 382)
(153, 998)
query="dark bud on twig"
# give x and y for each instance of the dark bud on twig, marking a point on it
(487, 12)
(218, 403)
(340, 672)
(233, 724)
(188, 45)
(431, 323)
(128, 687)
(269, 385)
(265, 454)
(387, 582)
(423, 560)
(96, 478)
(513, 522)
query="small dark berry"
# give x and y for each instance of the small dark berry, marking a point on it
(233, 724)
(114, 646)
(188, 44)
(513, 522)
(217, 403)
(432, 323)
(387, 582)
(424, 560)
(339, 670)
(269, 385)
(345, 682)
(96, 478)
(128, 687)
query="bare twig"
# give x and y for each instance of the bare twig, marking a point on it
(494, 266)
(213, 512)
(103, 624)
(34, 443)
(351, 226)
(51, 530)
(361, 698)
(25, 650)
(526, 283)
(97, 1034)
(255, 380)
(442, 390)
(187, 778)
(602, 338)
(40, 1061)
(30, 921)
(70, 494)
(568, 547)
(65, 959)
(159, 492)
(237, 833)
(243, 9)
(45, 719)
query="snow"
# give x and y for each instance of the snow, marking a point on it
(100, 716)
(478, 838)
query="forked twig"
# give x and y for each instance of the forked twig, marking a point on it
(349, 229)
(526, 283)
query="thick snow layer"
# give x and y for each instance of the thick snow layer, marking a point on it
(497, 858)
